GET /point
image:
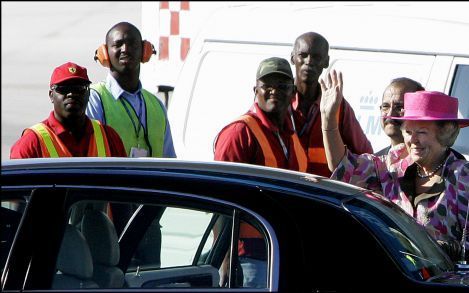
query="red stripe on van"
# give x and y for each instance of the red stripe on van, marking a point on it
(164, 48)
(174, 23)
(184, 5)
(185, 45)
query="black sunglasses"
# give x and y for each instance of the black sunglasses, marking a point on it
(75, 89)
(284, 87)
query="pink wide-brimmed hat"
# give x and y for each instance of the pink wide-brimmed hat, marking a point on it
(430, 106)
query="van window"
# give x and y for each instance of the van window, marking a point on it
(460, 89)
(366, 75)
(223, 92)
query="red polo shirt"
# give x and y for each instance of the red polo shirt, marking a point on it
(28, 146)
(237, 143)
(309, 128)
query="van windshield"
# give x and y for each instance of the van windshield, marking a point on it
(408, 242)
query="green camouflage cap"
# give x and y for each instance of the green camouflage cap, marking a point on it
(274, 65)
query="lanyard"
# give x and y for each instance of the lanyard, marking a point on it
(139, 114)
(309, 120)
(285, 150)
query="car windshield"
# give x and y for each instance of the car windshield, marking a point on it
(408, 242)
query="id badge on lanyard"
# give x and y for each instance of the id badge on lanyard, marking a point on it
(136, 152)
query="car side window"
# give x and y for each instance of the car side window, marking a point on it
(413, 247)
(199, 242)
(162, 244)
(181, 233)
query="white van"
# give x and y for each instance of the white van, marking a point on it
(371, 43)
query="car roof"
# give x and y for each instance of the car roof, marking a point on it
(213, 168)
(429, 28)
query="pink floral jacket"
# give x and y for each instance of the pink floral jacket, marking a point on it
(442, 214)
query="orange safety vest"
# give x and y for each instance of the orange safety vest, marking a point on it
(245, 229)
(269, 156)
(316, 154)
(53, 147)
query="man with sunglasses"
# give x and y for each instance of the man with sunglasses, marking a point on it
(68, 132)
(392, 104)
(263, 136)
(310, 55)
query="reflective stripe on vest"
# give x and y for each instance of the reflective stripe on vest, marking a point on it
(269, 156)
(117, 117)
(99, 145)
(53, 147)
(316, 154)
(99, 140)
(49, 150)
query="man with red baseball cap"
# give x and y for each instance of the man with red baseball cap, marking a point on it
(68, 132)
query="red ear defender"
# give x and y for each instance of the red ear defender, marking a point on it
(102, 56)
(147, 50)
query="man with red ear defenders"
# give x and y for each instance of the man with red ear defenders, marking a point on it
(120, 101)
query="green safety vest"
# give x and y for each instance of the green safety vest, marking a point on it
(117, 117)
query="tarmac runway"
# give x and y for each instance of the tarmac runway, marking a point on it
(39, 36)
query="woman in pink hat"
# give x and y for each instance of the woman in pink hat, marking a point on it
(422, 176)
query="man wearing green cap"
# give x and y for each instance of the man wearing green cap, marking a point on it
(263, 136)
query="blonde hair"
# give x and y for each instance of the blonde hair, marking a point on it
(447, 132)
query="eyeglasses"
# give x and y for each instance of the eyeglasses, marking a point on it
(75, 89)
(284, 87)
(397, 108)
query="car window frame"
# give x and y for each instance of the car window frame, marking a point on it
(166, 197)
(377, 204)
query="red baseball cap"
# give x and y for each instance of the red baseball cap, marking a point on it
(68, 71)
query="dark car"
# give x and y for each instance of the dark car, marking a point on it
(171, 225)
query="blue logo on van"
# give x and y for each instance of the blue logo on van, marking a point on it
(368, 109)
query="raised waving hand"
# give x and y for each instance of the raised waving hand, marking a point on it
(331, 98)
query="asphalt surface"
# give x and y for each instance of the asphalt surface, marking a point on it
(39, 36)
